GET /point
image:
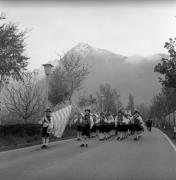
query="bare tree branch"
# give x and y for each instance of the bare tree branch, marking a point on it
(24, 98)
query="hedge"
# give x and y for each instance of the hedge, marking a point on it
(22, 130)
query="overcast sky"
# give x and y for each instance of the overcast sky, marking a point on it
(121, 28)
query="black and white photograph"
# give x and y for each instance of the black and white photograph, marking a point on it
(87, 90)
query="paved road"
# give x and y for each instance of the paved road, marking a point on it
(150, 158)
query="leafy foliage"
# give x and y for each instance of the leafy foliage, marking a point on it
(67, 78)
(59, 90)
(165, 102)
(13, 61)
(111, 101)
(167, 66)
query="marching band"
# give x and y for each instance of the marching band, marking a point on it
(103, 125)
(106, 125)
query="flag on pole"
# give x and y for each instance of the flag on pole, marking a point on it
(60, 120)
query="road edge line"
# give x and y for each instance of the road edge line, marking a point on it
(169, 140)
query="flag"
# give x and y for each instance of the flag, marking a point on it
(60, 120)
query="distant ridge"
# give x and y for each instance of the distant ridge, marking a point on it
(133, 74)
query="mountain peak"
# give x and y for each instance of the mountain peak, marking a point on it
(83, 45)
(82, 49)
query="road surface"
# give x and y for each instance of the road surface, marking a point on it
(150, 158)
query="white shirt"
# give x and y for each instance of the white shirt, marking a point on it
(111, 119)
(44, 121)
(125, 120)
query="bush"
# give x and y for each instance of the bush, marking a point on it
(29, 130)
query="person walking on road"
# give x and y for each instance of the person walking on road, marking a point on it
(47, 125)
(120, 126)
(86, 126)
(138, 125)
(149, 124)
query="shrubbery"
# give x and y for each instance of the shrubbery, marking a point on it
(27, 133)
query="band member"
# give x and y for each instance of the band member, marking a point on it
(78, 122)
(94, 127)
(102, 125)
(138, 125)
(116, 125)
(112, 124)
(107, 126)
(131, 125)
(86, 126)
(125, 126)
(120, 126)
(47, 125)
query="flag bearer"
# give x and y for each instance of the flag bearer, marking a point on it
(86, 126)
(47, 125)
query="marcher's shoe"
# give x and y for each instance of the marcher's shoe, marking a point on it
(86, 145)
(135, 139)
(43, 146)
(82, 145)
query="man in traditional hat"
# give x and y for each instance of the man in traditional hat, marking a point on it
(138, 125)
(102, 127)
(86, 126)
(47, 125)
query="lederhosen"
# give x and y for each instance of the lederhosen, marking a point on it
(86, 126)
(120, 124)
(45, 124)
(125, 127)
(130, 127)
(109, 125)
